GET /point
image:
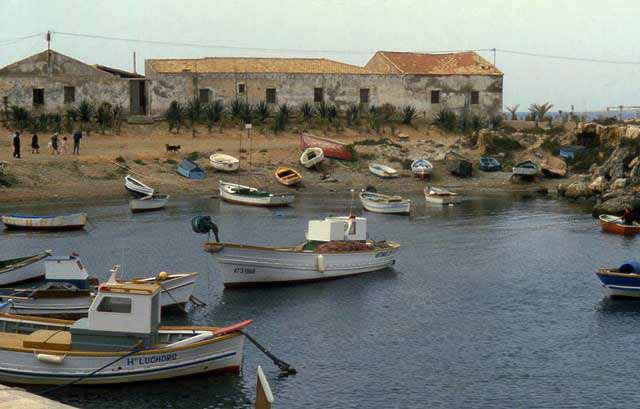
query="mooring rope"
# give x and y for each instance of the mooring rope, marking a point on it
(284, 367)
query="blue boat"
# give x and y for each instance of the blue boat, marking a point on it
(190, 170)
(489, 164)
(623, 281)
(570, 151)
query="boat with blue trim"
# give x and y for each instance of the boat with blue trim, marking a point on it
(489, 164)
(623, 281)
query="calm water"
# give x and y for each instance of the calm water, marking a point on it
(491, 304)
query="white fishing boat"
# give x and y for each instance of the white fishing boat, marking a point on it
(28, 222)
(223, 162)
(251, 196)
(120, 341)
(441, 196)
(148, 203)
(379, 203)
(311, 157)
(14, 270)
(383, 171)
(334, 247)
(421, 168)
(136, 187)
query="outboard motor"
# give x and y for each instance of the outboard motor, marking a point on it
(204, 225)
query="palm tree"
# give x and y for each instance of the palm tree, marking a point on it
(539, 111)
(513, 111)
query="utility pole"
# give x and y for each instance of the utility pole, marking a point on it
(494, 56)
(48, 36)
(134, 63)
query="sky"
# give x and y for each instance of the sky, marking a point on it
(351, 31)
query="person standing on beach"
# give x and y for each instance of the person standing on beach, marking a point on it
(77, 135)
(35, 148)
(54, 144)
(63, 146)
(16, 145)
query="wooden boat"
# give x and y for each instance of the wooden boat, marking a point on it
(489, 164)
(148, 203)
(334, 247)
(421, 168)
(526, 168)
(288, 176)
(458, 165)
(379, 203)
(121, 341)
(441, 196)
(64, 222)
(330, 148)
(251, 196)
(615, 225)
(623, 281)
(311, 157)
(12, 271)
(190, 170)
(383, 171)
(225, 163)
(136, 187)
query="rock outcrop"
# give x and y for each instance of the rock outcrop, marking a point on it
(616, 205)
(576, 190)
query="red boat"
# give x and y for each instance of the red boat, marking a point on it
(330, 148)
(615, 225)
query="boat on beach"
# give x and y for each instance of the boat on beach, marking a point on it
(334, 247)
(311, 157)
(489, 164)
(223, 162)
(190, 170)
(12, 270)
(623, 281)
(148, 203)
(379, 203)
(121, 341)
(75, 221)
(288, 176)
(137, 188)
(383, 171)
(458, 165)
(526, 168)
(421, 168)
(251, 196)
(330, 148)
(615, 225)
(441, 196)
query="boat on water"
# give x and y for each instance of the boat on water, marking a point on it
(190, 170)
(383, 171)
(615, 225)
(288, 176)
(311, 157)
(251, 196)
(74, 221)
(441, 196)
(137, 188)
(224, 163)
(458, 165)
(489, 164)
(121, 341)
(334, 247)
(12, 270)
(526, 168)
(330, 148)
(379, 203)
(421, 168)
(148, 203)
(623, 281)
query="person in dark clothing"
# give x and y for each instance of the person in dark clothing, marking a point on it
(16, 145)
(35, 148)
(628, 216)
(77, 135)
(54, 144)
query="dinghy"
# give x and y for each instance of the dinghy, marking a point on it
(441, 196)
(121, 341)
(148, 203)
(136, 187)
(334, 247)
(251, 196)
(288, 176)
(421, 168)
(50, 223)
(12, 271)
(383, 171)
(311, 157)
(379, 203)
(623, 281)
(223, 162)
(526, 168)
(458, 165)
(615, 225)
(489, 164)
(330, 148)
(190, 170)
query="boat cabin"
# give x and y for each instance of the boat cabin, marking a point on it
(342, 228)
(67, 270)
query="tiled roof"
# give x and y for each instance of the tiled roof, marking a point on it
(465, 63)
(256, 65)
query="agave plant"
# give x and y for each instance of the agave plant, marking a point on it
(85, 113)
(117, 113)
(193, 112)
(175, 116)
(104, 116)
(236, 109)
(513, 111)
(496, 121)
(322, 110)
(387, 112)
(20, 116)
(56, 122)
(280, 121)
(375, 120)
(352, 114)
(285, 111)
(408, 114)
(477, 122)
(262, 111)
(247, 114)
(447, 120)
(538, 111)
(213, 112)
(42, 123)
(307, 111)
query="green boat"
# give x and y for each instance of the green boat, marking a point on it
(489, 164)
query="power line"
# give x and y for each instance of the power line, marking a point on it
(566, 58)
(11, 41)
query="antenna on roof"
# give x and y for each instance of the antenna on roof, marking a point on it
(134, 63)
(48, 36)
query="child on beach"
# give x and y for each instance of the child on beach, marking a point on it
(63, 146)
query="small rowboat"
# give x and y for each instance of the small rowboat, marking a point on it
(288, 176)
(458, 165)
(136, 187)
(148, 203)
(12, 271)
(615, 225)
(251, 196)
(311, 157)
(441, 196)
(51, 223)
(225, 163)
(330, 148)
(190, 170)
(421, 168)
(623, 281)
(489, 164)
(383, 171)
(379, 203)
(526, 168)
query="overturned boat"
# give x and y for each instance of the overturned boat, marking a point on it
(137, 188)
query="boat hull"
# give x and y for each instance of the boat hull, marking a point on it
(387, 207)
(330, 148)
(443, 200)
(147, 205)
(14, 270)
(224, 163)
(618, 284)
(311, 162)
(137, 188)
(273, 200)
(242, 266)
(615, 227)
(53, 223)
